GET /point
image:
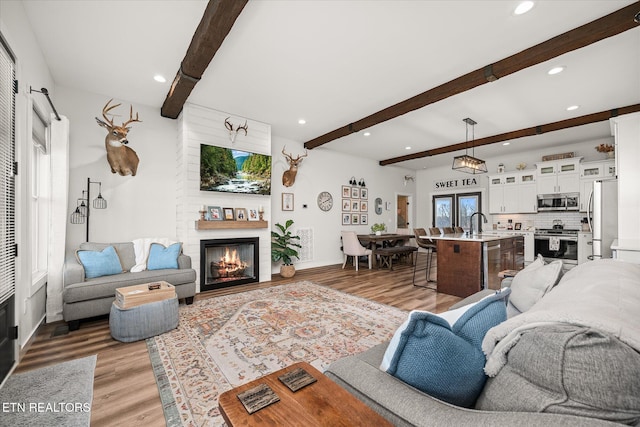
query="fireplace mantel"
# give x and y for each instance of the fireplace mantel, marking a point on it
(217, 225)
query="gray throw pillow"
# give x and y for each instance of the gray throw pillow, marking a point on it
(568, 369)
(530, 284)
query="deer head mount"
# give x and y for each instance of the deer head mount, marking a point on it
(289, 176)
(122, 159)
(234, 132)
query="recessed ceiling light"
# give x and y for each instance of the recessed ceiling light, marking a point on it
(556, 70)
(159, 78)
(302, 121)
(506, 143)
(367, 133)
(523, 7)
(573, 107)
(407, 148)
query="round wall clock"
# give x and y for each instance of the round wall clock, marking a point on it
(325, 201)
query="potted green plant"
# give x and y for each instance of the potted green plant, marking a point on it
(283, 245)
(378, 228)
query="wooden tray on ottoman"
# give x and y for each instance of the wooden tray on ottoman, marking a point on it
(133, 296)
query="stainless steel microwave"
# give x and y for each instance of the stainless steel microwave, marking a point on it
(558, 202)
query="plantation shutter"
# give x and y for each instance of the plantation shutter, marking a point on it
(7, 180)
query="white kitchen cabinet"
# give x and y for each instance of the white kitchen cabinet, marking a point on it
(585, 246)
(559, 176)
(626, 130)
(592, 171)
(503, 193)
(527, 192)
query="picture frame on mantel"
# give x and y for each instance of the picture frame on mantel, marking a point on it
(287, 201)
(214, 213)
(229, 214)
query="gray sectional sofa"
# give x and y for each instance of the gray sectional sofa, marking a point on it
(570, 359)
(84, 298)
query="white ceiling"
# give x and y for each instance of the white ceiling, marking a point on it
(335, 62)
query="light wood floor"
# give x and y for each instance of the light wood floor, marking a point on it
(125, 391)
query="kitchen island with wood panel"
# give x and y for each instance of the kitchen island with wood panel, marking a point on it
(470, 263)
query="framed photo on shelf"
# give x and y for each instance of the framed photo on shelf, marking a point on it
(228, 214)
(355, 219)
(214, 213)
(253, 215)
(518, 226)
(346, 191)
(346, 219)
(364, 219)
(364, 194)
(241, 214)
(287, 201)
(364, 206)
(346, 205)
(355, 192)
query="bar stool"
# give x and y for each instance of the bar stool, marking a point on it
(434, 231)
(458, 229)
(426, 248)
(447, 230)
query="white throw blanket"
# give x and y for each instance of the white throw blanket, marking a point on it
(141, 249)
(603, 294)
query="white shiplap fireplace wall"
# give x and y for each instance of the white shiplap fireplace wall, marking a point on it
(199, 125)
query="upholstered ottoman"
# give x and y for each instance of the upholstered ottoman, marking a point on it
(143, 321)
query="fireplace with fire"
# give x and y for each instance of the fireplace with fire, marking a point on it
(228, 262)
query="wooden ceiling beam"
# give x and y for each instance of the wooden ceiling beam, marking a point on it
(602, 28)
(532, 131)
(217, 20)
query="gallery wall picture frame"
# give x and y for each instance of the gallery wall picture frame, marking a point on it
(364, 219)
(364, 194)
(355, 205)
(364, 206)
(254, 215)
(346, 191)
(241, 214)
(346, 205)
(355, 219)
(518, 226)
(228, 214)
(346, 219)
(214, 213)
(355, 192)
(287, 201)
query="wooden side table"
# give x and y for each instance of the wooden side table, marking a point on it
(323, 403)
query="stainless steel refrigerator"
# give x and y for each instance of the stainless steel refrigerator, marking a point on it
(603, 217)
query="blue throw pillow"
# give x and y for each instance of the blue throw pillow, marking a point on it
(100, 263)
(442, 360)
(161, 257)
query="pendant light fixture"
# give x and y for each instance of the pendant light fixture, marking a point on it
(467, 163)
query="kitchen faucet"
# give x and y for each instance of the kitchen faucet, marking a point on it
(479, 224)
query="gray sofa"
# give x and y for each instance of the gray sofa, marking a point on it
(574, 361)
(84, 298)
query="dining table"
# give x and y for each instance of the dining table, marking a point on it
(371, 241)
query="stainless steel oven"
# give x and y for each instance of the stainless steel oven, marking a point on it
(558, 244)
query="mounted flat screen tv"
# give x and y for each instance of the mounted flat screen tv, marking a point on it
(234, 171)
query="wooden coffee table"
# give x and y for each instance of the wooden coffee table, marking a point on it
(323, 403)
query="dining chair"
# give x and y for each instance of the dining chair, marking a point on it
(351, 247)
(426, 247)
(447, 230)
(434, 231)
(458, 229)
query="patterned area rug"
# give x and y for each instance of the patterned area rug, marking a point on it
(227, 341)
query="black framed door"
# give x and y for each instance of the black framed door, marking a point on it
(455, 210)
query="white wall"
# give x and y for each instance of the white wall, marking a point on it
(324, 170)
(31, 70)
(425, 189)
(137, 206)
